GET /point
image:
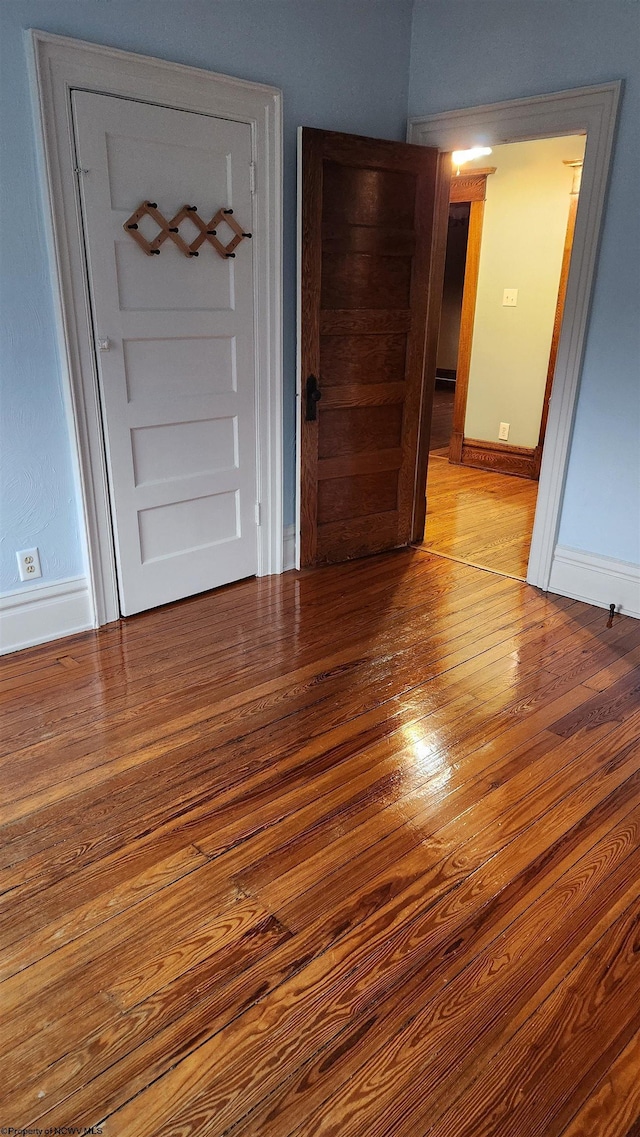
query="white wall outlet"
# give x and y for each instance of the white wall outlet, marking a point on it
(503, 433)
(29, 564)
(509, 297)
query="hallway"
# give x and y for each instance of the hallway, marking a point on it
(480, 517)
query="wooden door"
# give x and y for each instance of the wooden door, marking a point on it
(374, 227)
(174, 345)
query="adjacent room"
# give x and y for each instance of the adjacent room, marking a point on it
(320, 790)
(512, 221)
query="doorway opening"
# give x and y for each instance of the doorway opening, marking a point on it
(509, 242)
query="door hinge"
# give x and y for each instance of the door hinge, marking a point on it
(258, 513)
(252, 177)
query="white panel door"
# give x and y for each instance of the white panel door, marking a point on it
(174, 345)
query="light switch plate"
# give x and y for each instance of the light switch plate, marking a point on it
(509, 297)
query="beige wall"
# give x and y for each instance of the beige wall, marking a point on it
(523, 235)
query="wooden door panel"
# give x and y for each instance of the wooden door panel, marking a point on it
(364, 322)
(364, 195)
(354, 464)
(362, 395)
(365, 280)
(349, 360)
(374, 231)
(388, 242)
(352, 430)
(358, 496)
(356, 537)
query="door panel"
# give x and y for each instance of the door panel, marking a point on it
(177, 381)
(374, 216)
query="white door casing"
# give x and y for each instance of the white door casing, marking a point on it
(590, 110)
(175, 346)
(60, 66)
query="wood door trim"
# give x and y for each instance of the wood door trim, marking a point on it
(559, 312)
(499, 456)
(467, 318)
(434, 307)
(471, 186)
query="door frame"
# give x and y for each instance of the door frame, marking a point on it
(470, 188)
(584, 109)
(58, 65)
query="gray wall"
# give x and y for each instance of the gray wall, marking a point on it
(342, 65)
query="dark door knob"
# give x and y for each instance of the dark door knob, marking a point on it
(313, 396)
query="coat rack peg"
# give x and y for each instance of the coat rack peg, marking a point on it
(169, 229)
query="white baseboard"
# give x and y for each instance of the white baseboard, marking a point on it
(289, 547)
(45, 612)
(597, 580)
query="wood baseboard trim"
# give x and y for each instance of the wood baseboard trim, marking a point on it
(520, 461)
(455, 447)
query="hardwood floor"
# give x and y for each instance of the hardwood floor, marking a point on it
(480, 517)
(347, 852)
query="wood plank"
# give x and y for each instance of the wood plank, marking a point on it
(364, 322)
(351, 850)
(614, 1105)
(482, 517)
(354, 464)
(362, 395)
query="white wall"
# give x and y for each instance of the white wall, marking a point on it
(523, 234)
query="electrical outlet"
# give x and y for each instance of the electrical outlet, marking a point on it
(503, 433)
(29, 564)
(510, 298)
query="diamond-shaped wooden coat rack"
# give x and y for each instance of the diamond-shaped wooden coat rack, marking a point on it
(170, 230)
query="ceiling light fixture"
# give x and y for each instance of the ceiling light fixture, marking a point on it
(460, 157)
